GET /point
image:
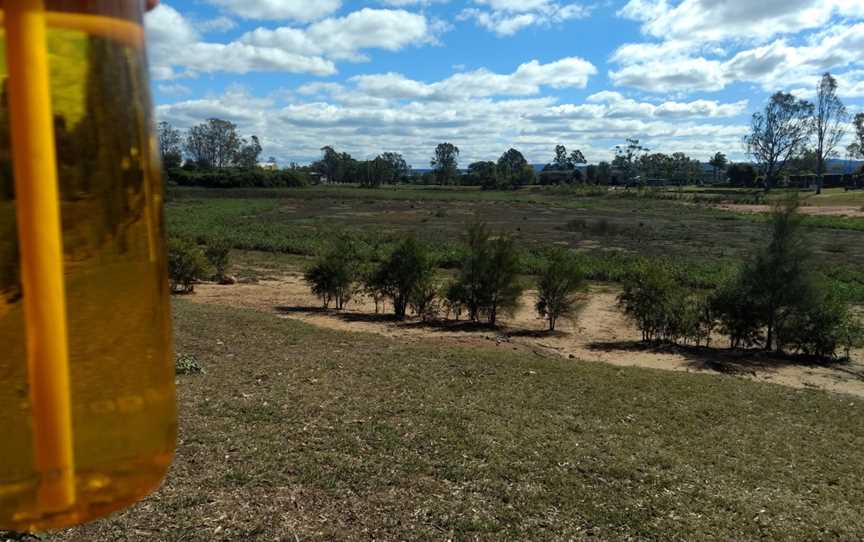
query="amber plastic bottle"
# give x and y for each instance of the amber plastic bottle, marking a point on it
(87, 408)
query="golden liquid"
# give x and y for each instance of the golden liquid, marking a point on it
(121, 359)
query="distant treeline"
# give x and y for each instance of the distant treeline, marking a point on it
(791, 142)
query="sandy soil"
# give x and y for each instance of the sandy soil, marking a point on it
(600, 334)
(849, 212)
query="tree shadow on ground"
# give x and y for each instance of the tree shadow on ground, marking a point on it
(726, 360)
(302, 310)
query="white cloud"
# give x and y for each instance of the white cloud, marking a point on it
(696, 58)
(672, 75)
(748, 20)
(298, 10)
(390, 112)
(177, 49)
(527, 80)
(218, 24)
(507, 17)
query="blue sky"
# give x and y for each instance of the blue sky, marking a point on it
(487, 75)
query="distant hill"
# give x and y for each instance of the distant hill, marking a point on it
(844, 166)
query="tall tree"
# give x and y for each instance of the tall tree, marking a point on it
(628, 158)
(562, 161)
(830, 122)
(336, 167)
(859, 130)
(513, 169)
(719, 163)
(484, 174)
(446, 163)
(248, 153)
(213, 144)
(604, 173)
(779, 133)
(576, 158)
(396, 168)
(742, 175)
(170, 145)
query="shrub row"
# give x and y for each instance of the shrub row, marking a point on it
(775, 301)
(486, 286)
(238, 178)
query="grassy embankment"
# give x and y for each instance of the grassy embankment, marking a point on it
(299, 433)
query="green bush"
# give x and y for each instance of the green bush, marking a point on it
(488, 281)
(332, 278)
(733, 306)
(218, 254)
(820, 325)
(186, 264)
(406, 278)
(187, 364)
(557, 285)
(659, 305)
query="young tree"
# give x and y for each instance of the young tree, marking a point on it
(557, 285)
(406, 277)
(655, 301)
(213, 144)
(488, 280)
(446, 163)
(829, 124)
(334, 274)
(170, 145)
(502, 279)
(186, 264)
(779, 133)
(719, 163)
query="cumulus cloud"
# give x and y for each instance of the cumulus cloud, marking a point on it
(178, 50)
(709, 45)
(507, 17)
(749, 20)
(527, 80)
(390, 112)
(298, 10)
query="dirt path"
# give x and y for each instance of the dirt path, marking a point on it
(601, 334)
(849, 212)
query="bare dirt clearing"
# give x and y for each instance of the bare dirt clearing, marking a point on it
(841, 211)
(601, 334)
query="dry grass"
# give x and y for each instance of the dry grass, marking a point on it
(299, 433)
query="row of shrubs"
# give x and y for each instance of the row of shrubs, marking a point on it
(487, 285)
(238, 178)
(775, 301)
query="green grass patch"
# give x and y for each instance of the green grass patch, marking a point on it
(295, 431)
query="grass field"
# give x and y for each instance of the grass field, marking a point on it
(298, 433)
(611, 231)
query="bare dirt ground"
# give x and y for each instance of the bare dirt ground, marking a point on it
(601, 333)
(849, 212)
